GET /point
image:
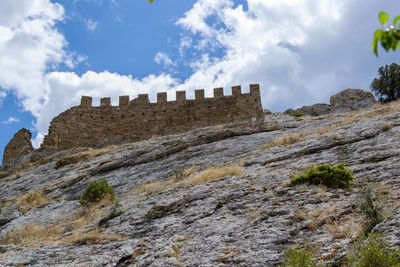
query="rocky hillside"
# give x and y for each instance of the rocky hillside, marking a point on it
(215, 196)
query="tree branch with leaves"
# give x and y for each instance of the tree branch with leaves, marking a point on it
(389, 35)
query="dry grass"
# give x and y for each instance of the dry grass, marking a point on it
(386, 126)
(343, 229)
(301, 215)
(31, 200)
(312, 225)
(154, 188)
(335, 137)
(84, 155)
(288, 139)
(88, 215)
(324, 211)
(212, 174)
(190, 176)
(31, 234)
(378, 105)
(94, 237)
(52, 233)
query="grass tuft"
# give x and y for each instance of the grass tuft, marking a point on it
(212, 174)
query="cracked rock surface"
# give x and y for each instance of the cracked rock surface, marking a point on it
(245, 218)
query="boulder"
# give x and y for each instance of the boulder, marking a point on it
(346, 100)
(352, 99)
(314, 110)
(267, 112)
(20, 145)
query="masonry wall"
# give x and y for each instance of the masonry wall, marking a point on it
(138, 119)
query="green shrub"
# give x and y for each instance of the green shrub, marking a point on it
(297, 114)
(372, 213)
(371, 252)
(336, 176)
(299, 257)
(387, 86)
(96, 191)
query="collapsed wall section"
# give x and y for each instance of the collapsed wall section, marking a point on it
(138, 119)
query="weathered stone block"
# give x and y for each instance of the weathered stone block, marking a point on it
(218, 92)
(105, 102)
(162, 97)
(124, 101)
(254, 89)
(19, 146)
(199, 94)
(86, 101)
(180, 96)
(236, 91)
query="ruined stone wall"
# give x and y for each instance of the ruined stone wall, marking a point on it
(138, 119)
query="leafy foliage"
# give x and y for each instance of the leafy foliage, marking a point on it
(371, 252)
(389, 37)
(371, 212)
(299, 257)
(336, 176)
(297, 114)
(96, 191)
(387, 86)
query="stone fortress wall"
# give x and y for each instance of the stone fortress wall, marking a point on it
(138, 119)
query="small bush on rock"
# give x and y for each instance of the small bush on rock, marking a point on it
(372, 213)
(299, 257)
(297, 114)
(371, 252)
(96, 191)
(335, 176)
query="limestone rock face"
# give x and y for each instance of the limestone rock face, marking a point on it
(19, 146)
(352, 99)
(247, 219)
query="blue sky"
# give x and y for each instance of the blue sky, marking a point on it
(300, 51)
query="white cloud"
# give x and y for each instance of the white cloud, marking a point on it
(300, 51)
(29, 45)
(260, 43)
(10, 120)
(162, 58)
(91, 24)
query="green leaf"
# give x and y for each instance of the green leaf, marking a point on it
(378, 34)
(395, 44)
(151, 1)
(396, 19)
(375, 46)
(383, 17)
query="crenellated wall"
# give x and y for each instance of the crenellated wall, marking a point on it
(138, 119)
